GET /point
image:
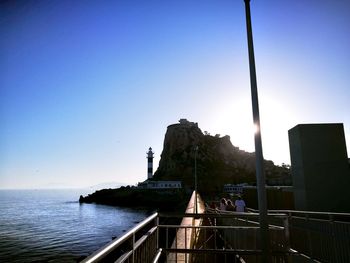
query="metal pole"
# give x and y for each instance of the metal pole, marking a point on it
(195, 178)
(259, 159)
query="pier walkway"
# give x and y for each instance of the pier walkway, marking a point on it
(218, 236)
(187, 235)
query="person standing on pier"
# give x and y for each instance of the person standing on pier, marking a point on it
(223, 204)
(240, 205)
(230, 206)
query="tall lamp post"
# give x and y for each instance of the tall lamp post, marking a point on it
(259, 159)
(195, 178)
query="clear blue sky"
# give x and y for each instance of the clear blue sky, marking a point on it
(87, 86)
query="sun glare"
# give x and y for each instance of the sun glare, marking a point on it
(236, 121)
(276, 119)
(255, 128)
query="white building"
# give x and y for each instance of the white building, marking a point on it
(160, 185)
(234, 188)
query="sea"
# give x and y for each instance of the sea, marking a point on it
(51, 225)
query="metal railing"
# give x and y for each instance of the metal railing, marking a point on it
(318, 236)
(233, 237)
(139, 244)
(245, 235)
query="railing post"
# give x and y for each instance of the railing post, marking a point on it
(286, 232)
(176, 244)
(133, 247)
(309, 237)
(334, 254)
(287, 237)
(157, 237)
(185, 255)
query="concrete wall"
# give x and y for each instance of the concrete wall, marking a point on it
(320, 168)
(280, 199)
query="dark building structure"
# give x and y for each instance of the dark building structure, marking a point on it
(320, 167)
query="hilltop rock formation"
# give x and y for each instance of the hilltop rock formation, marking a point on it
(218, 161)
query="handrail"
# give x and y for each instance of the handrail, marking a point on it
(218, 227)
(272, 212)
(104, 251)
(223, 214)
(157, 257)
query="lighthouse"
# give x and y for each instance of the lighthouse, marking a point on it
(150, 163)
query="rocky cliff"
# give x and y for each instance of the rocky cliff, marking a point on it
(218, 161)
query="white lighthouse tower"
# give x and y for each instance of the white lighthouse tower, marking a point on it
(150, 163)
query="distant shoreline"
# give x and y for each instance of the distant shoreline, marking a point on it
(135, 197)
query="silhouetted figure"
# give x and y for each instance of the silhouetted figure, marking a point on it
(223, 204)
(240, 205)
(230, 206)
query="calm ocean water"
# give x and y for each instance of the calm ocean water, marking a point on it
(51, 225)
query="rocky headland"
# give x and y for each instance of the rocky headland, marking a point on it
(218, 162)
